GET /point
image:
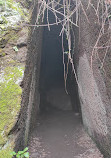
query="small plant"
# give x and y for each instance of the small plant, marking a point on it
(15, 49)
(21, 154)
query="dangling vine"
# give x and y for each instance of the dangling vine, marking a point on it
(66, 9)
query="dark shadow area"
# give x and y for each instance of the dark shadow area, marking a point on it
(52, 88)
(57, 130)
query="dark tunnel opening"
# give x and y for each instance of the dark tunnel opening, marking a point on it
(56, 132)
(52, 86)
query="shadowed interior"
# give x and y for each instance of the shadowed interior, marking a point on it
(52, 86)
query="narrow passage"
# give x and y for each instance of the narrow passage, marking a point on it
(60, 134)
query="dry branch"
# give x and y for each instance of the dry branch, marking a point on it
(66, 10)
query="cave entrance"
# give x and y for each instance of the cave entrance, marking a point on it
(52, 86)
(57, 126)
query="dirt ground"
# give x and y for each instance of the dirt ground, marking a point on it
(60, 134)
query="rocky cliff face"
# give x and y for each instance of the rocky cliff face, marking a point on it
(93, 84)
(94, 97)
(13, 50)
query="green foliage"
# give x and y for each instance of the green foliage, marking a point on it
(66, 52)
(15, 48)
(10, 98)
(21, 154)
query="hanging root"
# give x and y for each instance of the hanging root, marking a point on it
(66, 9)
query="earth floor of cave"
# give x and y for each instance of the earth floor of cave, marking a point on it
(60, 134)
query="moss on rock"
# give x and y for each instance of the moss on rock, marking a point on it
(10, 92)
(6, 153)
(2, 54)
(9, 35)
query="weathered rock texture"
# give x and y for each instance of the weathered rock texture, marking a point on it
(95, 103)
(30, 102)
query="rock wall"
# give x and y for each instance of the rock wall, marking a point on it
(95, 103)
(30, 95)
